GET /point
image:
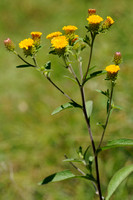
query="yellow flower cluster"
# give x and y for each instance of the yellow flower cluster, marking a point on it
(94, 19)
(54, 34)
(69, 29)
(113, 69)
(36, 34)
(59, 42)
(26, 43)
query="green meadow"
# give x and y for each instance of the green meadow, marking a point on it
(32, 141)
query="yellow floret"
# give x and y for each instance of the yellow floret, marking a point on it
(36, 34)
(54, 34)
(110, 20)
(59, 42)
(69, 28)
(113, 69)
(94, 19)
(26, 43)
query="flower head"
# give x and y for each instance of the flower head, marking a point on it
(26, 43)
(94, 22)
(36, 35)
(59, 42)
(94, 19)
(112, 71)
(69, 29)
(54, 34)
(9, 44)
(28, 46)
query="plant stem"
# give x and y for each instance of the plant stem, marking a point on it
(91, 48)
(92, 141)
(70, 68)
(108, 114)
(24, 60)
(61, 90)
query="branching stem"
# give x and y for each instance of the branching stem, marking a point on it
(108, 114)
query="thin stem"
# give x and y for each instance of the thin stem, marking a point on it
(70, 68)
(91, 49)
(108, 115)
(35, 61)
(48, 78)
(24, 60)
(92, 142)
(80, 68)
(79, 170)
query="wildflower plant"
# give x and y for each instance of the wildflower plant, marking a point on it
(68, 46)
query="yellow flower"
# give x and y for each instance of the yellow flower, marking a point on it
(110, 20)
(26, 43)
(54, 34)
(113, 69)
(69, 29)
(59, 42)
(94, 19)
(36, 35)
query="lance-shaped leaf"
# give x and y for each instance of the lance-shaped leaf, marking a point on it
(95, 74)
(23, 66)
(89, 107)
(65, 106)
(117, 143)
(63, 175)
(116, 180)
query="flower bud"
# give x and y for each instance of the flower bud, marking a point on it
(117, 58)
(108, 23)
(9, 44)
(92, 11)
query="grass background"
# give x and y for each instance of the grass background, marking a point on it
(32, 142)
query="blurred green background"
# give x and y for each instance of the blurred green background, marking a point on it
(32, 142)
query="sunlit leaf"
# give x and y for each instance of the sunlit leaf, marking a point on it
(65, 106)
(72, 79)
(72, 160)
(95, 74)
(117, 143)
(64, 175)
(106, 93)
(116, 180)
(89, 107)
(59, 176)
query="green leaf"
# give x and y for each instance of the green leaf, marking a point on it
(59, 176)
(89, 106)
(64, 175)
(117, 143)
(94, 74)
(106, 93)
(116, 107)
(22, 66)
(65, 106)
(116, 180)
(72, 79)
(72, 160)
